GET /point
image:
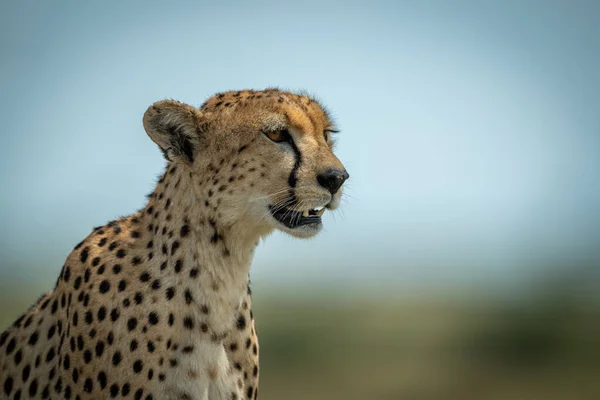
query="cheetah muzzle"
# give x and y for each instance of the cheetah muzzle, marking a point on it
(157, 305)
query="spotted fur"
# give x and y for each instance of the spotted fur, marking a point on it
(157, 305)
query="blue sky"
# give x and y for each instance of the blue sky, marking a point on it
(471, 130)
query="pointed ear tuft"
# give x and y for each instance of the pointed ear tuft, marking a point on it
(174, 127)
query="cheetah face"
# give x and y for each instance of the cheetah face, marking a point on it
(305, 177)
(265, 157)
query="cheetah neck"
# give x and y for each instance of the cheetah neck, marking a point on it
(202, 254)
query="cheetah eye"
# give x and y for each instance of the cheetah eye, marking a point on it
(278, 136)
(327, 134)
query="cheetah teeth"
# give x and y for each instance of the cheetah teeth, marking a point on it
(314, 212)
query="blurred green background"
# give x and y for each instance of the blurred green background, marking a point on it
(465, 260)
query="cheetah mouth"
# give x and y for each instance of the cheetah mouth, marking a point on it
(294, 218)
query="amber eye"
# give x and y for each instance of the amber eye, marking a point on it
(278, 136)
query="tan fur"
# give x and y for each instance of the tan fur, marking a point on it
(157, 305)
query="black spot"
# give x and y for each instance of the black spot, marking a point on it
(233, 346)
(241, 322)
(170, 293)
(185, 230)
(95, 261)
(125, 389)
(250, 391)
(75, 375)
(102, 242)
(77, 283)
(99, 348)
(104, 286)
(88, 317)
(151, 347)
(138, 298)
(88, 385)
(83, 256)
(193, 272)
(114, 390)
(114, 314)
(50, 355)
(8, 384)
(136, 260)
(178, 266)
(112, 246)
(110, 338)
(121, 253)
(18, 357)
(156, 284)
(138, 366)
(116, 359)
(145, 277)
(102, 379)
(138, 394)
(33, 387)
(134, 234)
(174, 247)
(116, 269)
(122, 285)
(188, 349)
(153, 318)
(188, 296)
(171, 319)
(67, 273)
(44, 305)
(25, 373)
(131, 323)
(46, 392)
(173, 362)
(188, 322)
(11, 346)
(33, 338)
(79, 245)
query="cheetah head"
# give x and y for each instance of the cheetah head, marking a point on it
(261, 158)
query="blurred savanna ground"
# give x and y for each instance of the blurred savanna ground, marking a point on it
(460, 345)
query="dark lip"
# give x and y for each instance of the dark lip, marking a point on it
(292, 218)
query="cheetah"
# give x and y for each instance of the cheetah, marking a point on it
(157, 305)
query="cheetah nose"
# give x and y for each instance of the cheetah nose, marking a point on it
(332, 179)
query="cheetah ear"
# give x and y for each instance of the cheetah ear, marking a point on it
(175, 128)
